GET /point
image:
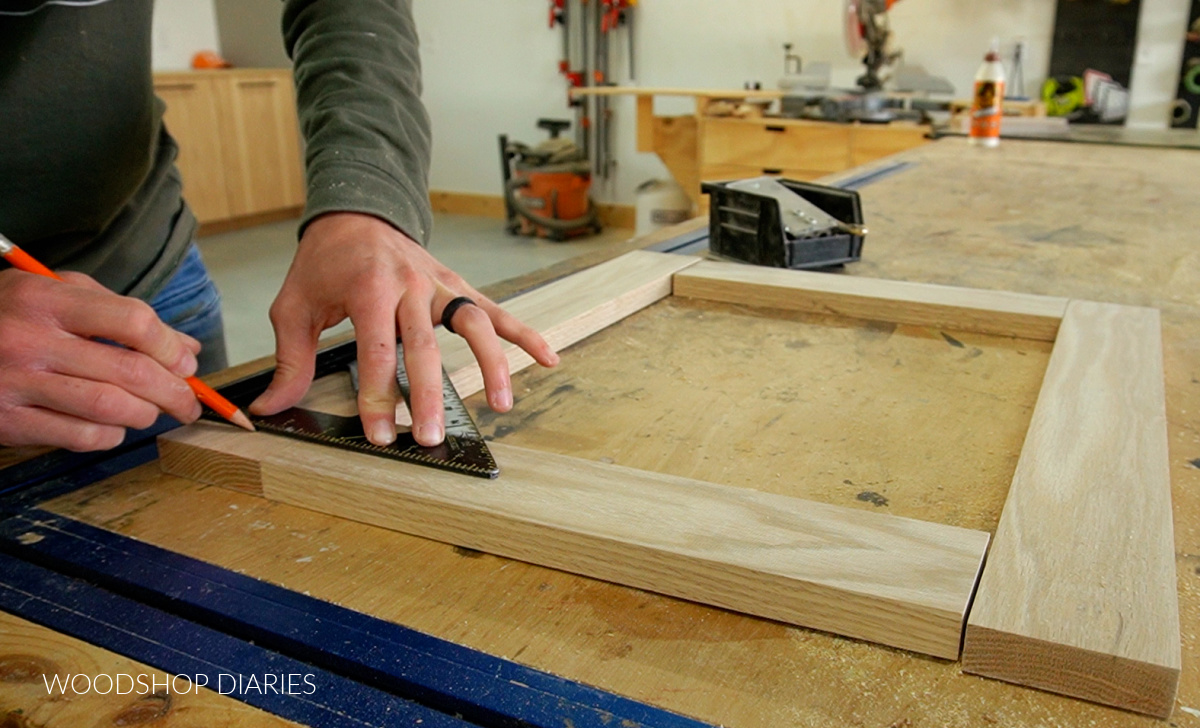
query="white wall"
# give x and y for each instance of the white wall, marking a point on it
(182, 27)
(1161, 25)
(491, 66)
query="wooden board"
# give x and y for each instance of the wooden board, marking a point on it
(571, 309)
(896, 581)
(922, 304)
(1078, 596)
(962, 309)
(28, 652)
(1025, 226)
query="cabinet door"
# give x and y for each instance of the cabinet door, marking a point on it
(262, 144)
(783, 144)
(192, 118)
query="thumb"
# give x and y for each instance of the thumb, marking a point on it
(295, 361)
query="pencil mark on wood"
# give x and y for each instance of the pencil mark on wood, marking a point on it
(562, 389)
(952, 341)
(870, 496)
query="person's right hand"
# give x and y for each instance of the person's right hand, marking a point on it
(59, 387)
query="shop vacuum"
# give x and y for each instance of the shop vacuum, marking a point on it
(546, 188)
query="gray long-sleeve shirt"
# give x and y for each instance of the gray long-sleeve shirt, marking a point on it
(87, 175)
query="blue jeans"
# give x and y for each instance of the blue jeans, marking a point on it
(190, 303)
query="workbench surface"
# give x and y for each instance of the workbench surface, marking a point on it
(912, 421)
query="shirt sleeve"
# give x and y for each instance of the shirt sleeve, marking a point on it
(358, 87)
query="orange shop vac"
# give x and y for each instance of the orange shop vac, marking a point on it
(547, 187)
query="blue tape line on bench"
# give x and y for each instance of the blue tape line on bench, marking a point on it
(179, 647)
(443, 675)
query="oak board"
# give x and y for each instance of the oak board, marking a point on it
(1079, 594)
(882, 578)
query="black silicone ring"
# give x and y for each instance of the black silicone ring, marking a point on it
(452, 308)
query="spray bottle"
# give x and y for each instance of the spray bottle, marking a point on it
(988, 101)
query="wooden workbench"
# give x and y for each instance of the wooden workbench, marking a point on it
(707, 145)
(914, 421)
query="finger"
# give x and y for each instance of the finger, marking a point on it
(131, 371)
(510, 328)
(82, 280)
(474, 325)
(423, 363)
(375, 331)
(128, 321)
(34, 426)
(193, 345)
(98, 402)
(86, 281)
(296, 336)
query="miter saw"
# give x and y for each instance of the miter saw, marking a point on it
(868, 37)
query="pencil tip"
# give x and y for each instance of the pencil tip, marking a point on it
(241, 420)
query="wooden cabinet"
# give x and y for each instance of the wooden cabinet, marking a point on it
(239, 143)
(705, 147)
(774, 144)
(193, 120)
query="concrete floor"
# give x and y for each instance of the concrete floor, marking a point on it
(249, 266)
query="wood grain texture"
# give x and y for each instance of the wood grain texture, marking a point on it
(571, 309)
(238, 470)
(896, 581)
(265, 169)
(30, 655)
(1017, 228)
(1079, 596)
(981, 311)
(195, 123)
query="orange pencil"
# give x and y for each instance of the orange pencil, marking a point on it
(206, 394)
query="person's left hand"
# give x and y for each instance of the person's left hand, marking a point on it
(358, 266)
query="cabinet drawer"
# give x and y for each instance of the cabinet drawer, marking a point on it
(726, 172)
(869, 142)
(817, 147)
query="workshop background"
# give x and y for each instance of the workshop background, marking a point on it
(501, 57)
(748, 496)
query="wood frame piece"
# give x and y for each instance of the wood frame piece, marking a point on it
(771, 555)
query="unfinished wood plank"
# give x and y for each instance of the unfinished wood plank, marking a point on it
(571, 309)
(32, 655)
(234, 470)
(877, 577)
(1000, 313)
(1078, 596)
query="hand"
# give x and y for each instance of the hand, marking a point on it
(59, 387)
(358, 266)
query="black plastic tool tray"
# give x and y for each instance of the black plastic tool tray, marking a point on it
(747, 227)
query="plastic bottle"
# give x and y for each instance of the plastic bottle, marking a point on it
(988, 100)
